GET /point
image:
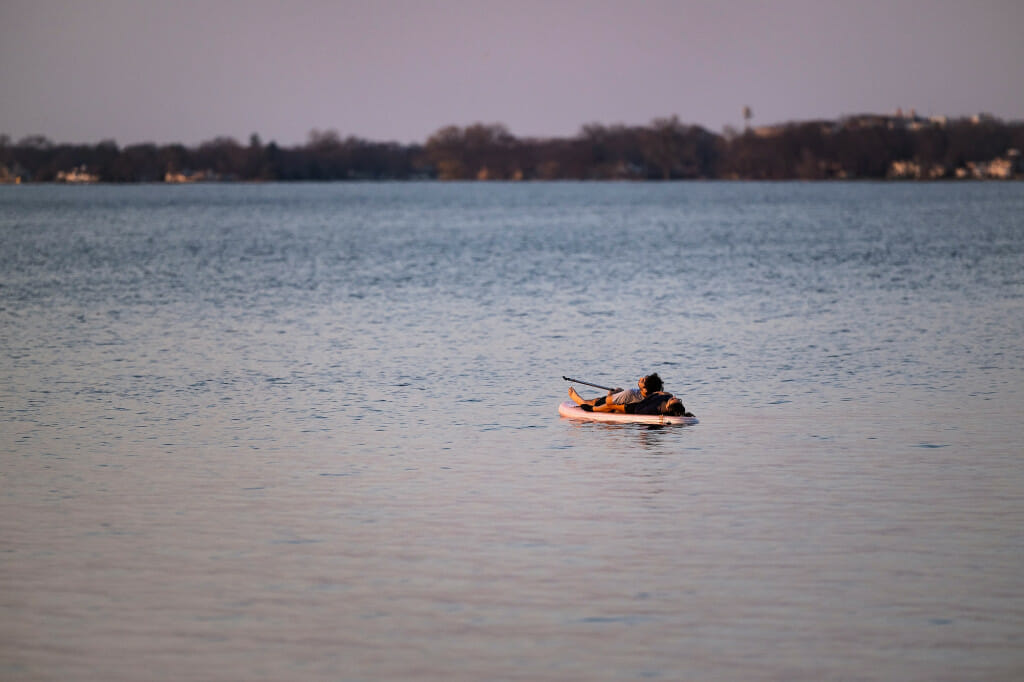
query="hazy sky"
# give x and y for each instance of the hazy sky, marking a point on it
(190, 70)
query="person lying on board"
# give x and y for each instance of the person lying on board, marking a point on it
(645, 386)
(659, 403)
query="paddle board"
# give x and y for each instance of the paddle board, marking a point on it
(571, 410)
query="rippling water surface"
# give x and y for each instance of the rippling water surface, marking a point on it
(309, 432)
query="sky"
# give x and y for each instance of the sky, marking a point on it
(187, 71)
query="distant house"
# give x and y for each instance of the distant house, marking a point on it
(1006, 167)
(912, 170)
(178, 177)
(80, 175)
(866, 121)
(1000, 169)
(901, 120)
(15, 175)
(1003, 168)
(769, 131)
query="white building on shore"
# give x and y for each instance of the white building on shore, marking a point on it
(80, 175)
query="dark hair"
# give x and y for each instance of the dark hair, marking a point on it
(675, 408)
(653, 383)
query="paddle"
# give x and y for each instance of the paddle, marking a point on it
(587, 383)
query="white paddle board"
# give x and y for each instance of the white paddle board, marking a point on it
(571, 410)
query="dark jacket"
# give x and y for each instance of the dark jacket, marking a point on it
(652, 404)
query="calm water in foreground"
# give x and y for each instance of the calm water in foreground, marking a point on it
(309, 432)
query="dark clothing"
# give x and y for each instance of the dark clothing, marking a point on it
(652, 404)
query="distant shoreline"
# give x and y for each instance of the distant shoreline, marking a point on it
(435, 181)
(862, 147)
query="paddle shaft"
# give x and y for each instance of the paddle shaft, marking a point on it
(587, 383)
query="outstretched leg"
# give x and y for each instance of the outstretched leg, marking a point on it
(576, 397)
(607, 407)
(580, 401)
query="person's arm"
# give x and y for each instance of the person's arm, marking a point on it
(608, 404)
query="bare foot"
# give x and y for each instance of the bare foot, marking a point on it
(575, 396)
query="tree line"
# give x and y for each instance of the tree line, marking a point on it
(868, 146)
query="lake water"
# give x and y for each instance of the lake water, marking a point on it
(310, 432)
